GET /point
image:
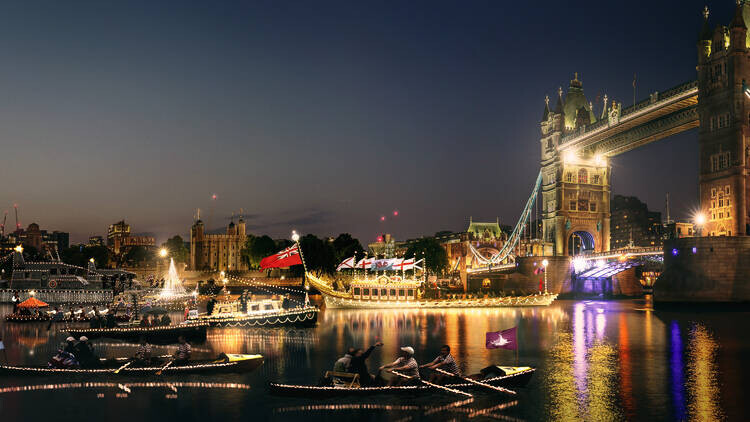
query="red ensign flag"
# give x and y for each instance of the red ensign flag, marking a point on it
(286, 258)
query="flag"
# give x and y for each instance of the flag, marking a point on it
(391, 264)
(538, 270)
(505, 339)
(347, 263)
(365, 263)
(286, 258)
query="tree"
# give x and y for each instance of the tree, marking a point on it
(138, 255)
(319, 255)
(177, 250)
(345, 246)
(80, 254)
(435, 256)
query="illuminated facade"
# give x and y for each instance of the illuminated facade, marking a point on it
(724, 110)
(575, 188)
(218, 252)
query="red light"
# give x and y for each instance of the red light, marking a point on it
(214, 197)
(382, 218)
(380, 238)
(395, 213)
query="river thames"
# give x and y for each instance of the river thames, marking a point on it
(595, 360)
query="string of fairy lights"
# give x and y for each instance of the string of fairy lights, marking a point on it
(260, 285)
(259, 321)
(128, 385)
(131, 370)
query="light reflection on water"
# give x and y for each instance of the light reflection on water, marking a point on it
(595, 361)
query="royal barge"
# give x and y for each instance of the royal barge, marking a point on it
(397, 293)
(263, 313)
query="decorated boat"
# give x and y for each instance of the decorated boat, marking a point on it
(396, 292)
(499, 376)
(193, 331)
(223, 364)
(262, 313)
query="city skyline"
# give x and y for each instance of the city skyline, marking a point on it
(125, 112)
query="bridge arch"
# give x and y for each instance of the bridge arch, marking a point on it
(581, 242)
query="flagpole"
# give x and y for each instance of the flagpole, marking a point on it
(295, 238)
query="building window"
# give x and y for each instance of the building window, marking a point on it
(592, 207)
(569, 177)
(596, 179)
(572, 205)
(583, 176)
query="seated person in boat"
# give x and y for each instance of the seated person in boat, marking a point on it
(70, 345)
(182, 355)
(358, 365)
(165, 320)
(445, 362)
(85, 355)
(405, 365)
(342, 364)
(147, 321)
(143, 353)
(286, 303)
(63, 359)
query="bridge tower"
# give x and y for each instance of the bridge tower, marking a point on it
(575, 189)
(723, 107)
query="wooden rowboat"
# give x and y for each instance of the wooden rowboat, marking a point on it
(225, 363)
(193, 331)
(513, 376)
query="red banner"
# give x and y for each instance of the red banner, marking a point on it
(286, 258)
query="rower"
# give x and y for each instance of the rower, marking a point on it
(342, 364)
(85, 355)
(445, 362)
(358, 365)
(143, 354)
(406, 365)
(70, 346)
(182, 355)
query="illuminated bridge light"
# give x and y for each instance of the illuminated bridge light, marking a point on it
(675, 252)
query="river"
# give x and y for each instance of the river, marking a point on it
(595, 360)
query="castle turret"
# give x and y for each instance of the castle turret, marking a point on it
(241, 231)
(738, 30)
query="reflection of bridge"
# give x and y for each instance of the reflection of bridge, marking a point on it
(572, 193)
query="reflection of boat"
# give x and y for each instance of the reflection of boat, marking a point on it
(162, 334)
(264, 313)
(383, 292)
(45, 317)
(225, 363)
(509, 376)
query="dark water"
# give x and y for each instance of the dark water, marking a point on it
(596, 361)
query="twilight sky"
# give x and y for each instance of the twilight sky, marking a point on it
(319, 116)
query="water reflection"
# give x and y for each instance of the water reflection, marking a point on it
(702, 383)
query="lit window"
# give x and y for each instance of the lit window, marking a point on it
(583, 176)
(572, 205)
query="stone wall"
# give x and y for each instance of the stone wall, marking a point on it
(705, 269)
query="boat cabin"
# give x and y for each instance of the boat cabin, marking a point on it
(384, 290)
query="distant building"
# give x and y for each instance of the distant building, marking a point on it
(119, 239)
(33, 237)
(96, 241)
(678, 229)
(632, 224)
(217, 252)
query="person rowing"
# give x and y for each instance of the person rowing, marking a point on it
(445, 362)
(358, 365)
(404, 365)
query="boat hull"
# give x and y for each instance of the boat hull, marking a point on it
(335, 302)
(195, 331)
(307, 317)
(518, 379)
(236, 364)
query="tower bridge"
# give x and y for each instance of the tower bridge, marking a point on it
(571, 195)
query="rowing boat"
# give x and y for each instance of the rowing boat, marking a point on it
(501, 376)
(224, 363)
(193, 331)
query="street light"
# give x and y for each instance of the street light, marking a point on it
(19, 249)
(163, 252)
(545, 263)
(700, 220)
(295, 236)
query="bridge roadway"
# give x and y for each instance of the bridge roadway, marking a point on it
(661, 115)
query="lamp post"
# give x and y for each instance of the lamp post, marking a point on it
(545, 263)
(295, 239)
(700, 220)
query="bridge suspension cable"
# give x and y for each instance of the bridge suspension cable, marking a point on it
(518, 230)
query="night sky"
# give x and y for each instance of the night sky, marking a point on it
(319, 116)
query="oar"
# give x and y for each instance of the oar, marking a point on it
(165, 367)
(117, 371)
(475, 382)
(450, 390)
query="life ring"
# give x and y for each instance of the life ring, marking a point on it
(52, 284)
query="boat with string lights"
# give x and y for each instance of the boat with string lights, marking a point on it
(384, 292)
(192, 331)
(495, 375)
(260, 313)
(225, 363)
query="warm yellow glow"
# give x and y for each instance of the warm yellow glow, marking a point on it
(600, 160)
(545, 263)
(295, 236)
(91, 260)
(163, 252)
(700, 219)
(32, 293)
(19, 249)
(221, 274)
(570, 157)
